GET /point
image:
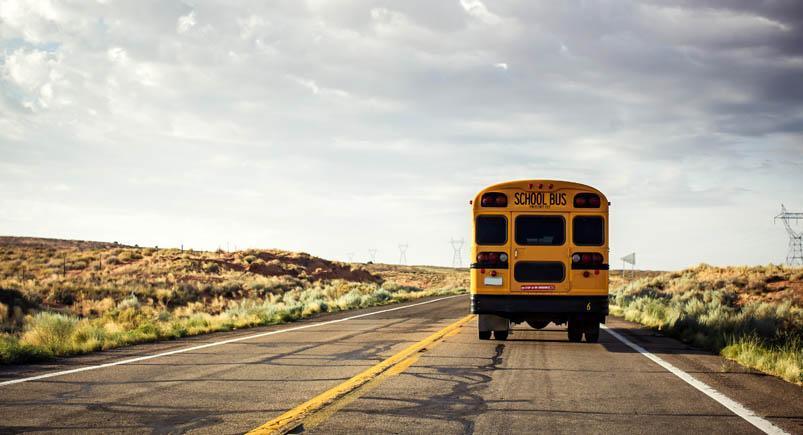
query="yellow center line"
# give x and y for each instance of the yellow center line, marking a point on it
(328, 402)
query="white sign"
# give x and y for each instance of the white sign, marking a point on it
(630, 258)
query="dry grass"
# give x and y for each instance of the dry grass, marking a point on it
(752, 315)
(112, 296)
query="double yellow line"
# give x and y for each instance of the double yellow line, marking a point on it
(320, 407)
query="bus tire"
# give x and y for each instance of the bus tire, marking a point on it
(500, 335)
(575, 333)
(538, 324)
(485, 335)
(592, 333)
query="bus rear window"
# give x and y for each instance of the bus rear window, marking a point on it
(539, 271)
(491, 230)
(588, 231)
(540, 230)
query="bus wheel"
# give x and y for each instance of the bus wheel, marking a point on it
(575, 333)
(485, 335)
(592, 332)
(500, 335)
(538, 324)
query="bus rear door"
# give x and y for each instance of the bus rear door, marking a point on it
(540, 260)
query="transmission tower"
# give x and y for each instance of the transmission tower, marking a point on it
(403, 253)
(457, 247)
(795, 254)
(372, 255)
(351, 256)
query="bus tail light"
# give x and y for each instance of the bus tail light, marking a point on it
(586, 200)
(494, 199)
(588, 260)
(491, 260)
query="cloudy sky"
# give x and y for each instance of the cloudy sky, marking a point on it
(335, 127)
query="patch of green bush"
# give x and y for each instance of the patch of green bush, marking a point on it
(49, 334)
(709, 314)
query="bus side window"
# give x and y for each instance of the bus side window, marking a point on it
(588, 231)
(491, 230)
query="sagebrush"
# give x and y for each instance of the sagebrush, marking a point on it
(752, 315)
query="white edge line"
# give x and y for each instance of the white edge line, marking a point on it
(216, 343)
(735, 407)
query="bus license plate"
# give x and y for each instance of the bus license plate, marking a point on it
(537, 287)
(493, 280)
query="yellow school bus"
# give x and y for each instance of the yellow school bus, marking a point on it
(540, 255)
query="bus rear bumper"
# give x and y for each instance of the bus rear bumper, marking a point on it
(514, 305)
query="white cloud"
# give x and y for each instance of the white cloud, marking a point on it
(117, 55)
(477, 9)
(186, 22)
(34, 74)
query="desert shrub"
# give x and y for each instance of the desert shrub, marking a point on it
(784, 360)
(129, 255)
(350, 300)
(210, 267)
(381, 295)
(313, 307)
(89, 337)
(392, 287)
(77, 265)
(63, 295)
(129, 302)
(260, 285)
(13, 351)
(51, 332)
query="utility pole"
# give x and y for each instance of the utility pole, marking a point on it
(64, 265)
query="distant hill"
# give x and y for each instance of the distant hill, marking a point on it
(43, 243)
(67, 273)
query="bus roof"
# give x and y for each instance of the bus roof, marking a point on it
(525, 185)
(539, 185)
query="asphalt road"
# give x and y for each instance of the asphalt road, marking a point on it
(535, 382)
